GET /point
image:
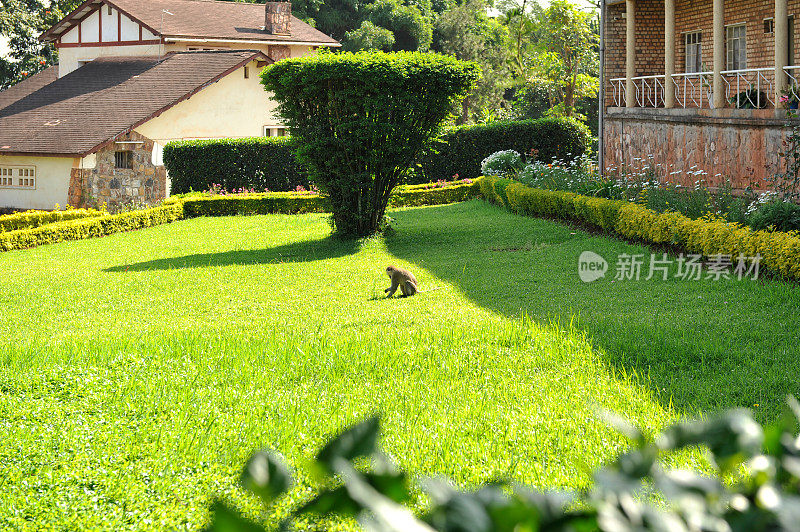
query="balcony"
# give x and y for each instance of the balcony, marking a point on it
(752, 88)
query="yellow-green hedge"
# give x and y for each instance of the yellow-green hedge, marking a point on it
(90, 227)
(780, 252)
(30, 219)
(418, 195)
(175, 208)
(297, 203)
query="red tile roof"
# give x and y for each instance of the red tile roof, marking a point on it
(199, 19)
(77, 114)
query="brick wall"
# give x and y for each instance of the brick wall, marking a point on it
(690, 16)
(743, 152)
(145, 183)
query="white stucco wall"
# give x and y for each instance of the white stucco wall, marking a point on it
(52, 183)
(70, 58)
(232, 107)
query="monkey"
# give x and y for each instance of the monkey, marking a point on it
(403, 279)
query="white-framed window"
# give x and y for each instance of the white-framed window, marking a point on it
(276, 131)
(694, 51)
(18, 176)
(736, 41)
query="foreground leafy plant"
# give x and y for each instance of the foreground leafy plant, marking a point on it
(754, 486)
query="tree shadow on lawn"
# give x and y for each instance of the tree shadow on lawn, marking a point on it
(701, 346)
(304, 251)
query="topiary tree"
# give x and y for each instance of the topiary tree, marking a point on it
(362, 120)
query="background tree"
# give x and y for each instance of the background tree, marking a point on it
(362, 119)
(468, 33)
(369, 37)
(564, 60)
(22, 21)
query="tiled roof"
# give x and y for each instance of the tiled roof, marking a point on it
(203, 19)
(28, 86)
(78, 113)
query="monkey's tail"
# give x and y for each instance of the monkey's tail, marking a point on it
(430, 289)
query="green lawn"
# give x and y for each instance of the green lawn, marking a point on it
(138, 371)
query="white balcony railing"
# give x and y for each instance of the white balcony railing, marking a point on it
(752, 87)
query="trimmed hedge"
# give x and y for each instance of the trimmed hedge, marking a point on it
(417, 195)
(31, 219)
(260, 163)
(461, 150)
(90, 227)
(780, 252)
(192, 205)
(269, 203)
(296, 203)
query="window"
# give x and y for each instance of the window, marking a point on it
(123, 160)
(276, 131)
(246, 72)
(694, 52)
(737, 47)
(18, 176)
(769, 25)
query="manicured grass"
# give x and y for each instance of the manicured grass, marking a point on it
(138, 371)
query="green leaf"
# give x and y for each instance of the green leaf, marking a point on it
(357, 441)
(226, 519)
(266, 475)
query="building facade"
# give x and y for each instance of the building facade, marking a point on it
(700, 88)
(132, 76)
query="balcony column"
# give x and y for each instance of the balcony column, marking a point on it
(630, 52)
(669, 53)
(781, 48)
(719, 53)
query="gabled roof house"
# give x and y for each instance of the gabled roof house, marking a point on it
(133, 75)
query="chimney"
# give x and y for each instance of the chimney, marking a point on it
(278, 19)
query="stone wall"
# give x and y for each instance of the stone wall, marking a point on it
(725, 144)
(144, 183)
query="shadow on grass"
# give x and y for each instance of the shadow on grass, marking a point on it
(305, 251)
(701, 346)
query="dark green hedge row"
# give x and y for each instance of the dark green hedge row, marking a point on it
(260, 163)
(461, 150)
(31, 219)
(90, 227)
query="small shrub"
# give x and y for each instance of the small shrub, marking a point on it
(506, 163)
(777, 216)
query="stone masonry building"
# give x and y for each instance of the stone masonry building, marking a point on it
(132, 76)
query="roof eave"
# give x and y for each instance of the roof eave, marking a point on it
(200, 38)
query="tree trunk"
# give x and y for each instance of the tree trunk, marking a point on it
(464, 118)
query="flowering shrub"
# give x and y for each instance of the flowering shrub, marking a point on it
(506, 163)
